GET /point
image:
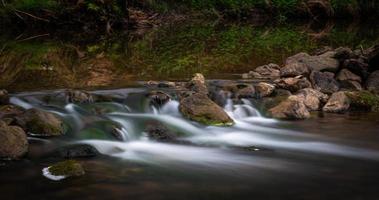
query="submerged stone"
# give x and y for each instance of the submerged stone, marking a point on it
(64, 169)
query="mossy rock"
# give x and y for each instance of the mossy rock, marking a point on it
(364, 100)
(41, 123)
(67, 168)
(198, 107)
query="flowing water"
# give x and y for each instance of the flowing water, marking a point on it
(330, 156)
(327, 157)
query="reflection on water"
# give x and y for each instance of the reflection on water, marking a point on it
(257, 157)
(170, 52)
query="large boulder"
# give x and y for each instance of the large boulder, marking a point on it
(263, 89)
(78, 96)
(291, 108)
(40, 123)
(270, 71)
(198, 107)
(4, 97)
(197, 84)
(13, 141)
(349, 80)
(303, 64)
(324, 82)
(313, 99)
(339, 102)
(293, 84)
(372, 82)
(295, 66)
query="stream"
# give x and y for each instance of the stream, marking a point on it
(326, 157)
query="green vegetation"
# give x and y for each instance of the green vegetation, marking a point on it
(364, 100)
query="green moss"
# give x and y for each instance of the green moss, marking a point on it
(36, 126)
(364, 100)
(67, 168)
(210, 122)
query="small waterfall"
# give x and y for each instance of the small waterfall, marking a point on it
(18, 102)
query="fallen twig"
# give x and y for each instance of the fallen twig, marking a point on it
(30, 15)
(33, 37)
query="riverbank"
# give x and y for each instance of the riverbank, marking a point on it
(107, 16)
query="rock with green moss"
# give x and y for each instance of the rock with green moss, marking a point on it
(40, 123)
(198, 107)
(13, 142)
(61, 170)
(364, 100)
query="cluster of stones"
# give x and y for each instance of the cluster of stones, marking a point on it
(335, 80)
(17, 124)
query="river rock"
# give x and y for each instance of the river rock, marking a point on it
(77, 151)
(293, 84)
(363, 101)
(40, 123)
(372, 55)
(313, 99)
(198, 107)
(4, 97)
(77, 96)
(357, 66)
(10, 111)
(159, 132)
(158, 98)
(13, 141)
(303, 64)
(291, 108)
(372, 83)
(67, 168)
(324, 82)
(295, 66)
(197, 84)
(349, 80)
(245, 91)
(343, 53)
(339, 102)
(268, 71)
(345, 74)
(264, 89)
